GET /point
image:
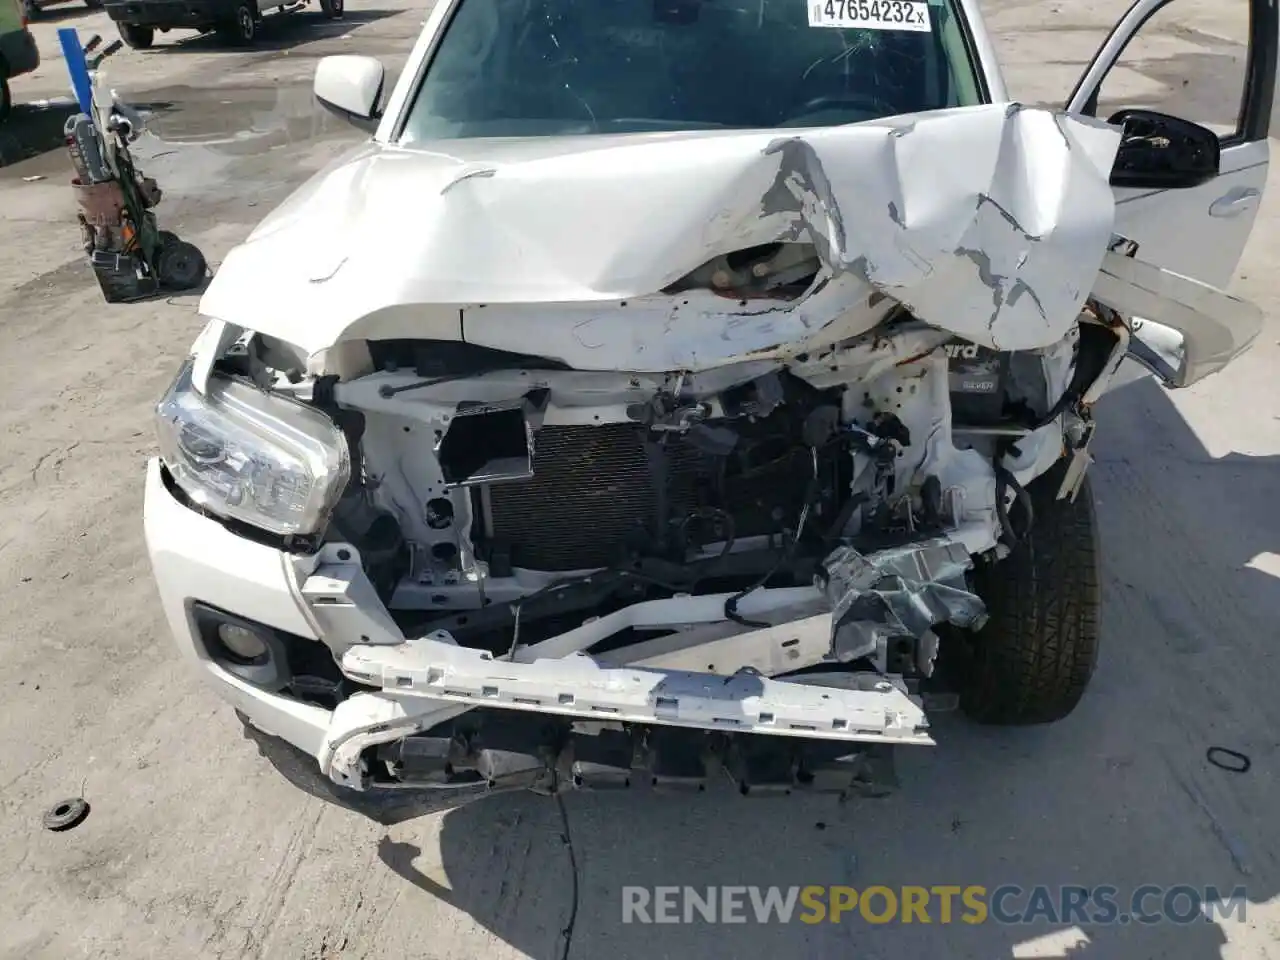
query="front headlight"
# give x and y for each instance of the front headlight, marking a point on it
(248, 455)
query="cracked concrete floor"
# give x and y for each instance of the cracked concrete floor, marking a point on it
(199, 846)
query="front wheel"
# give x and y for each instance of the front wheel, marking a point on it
(1034, 658)
(332, 9)
(242, 30)
(135, 36)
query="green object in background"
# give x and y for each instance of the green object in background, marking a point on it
(18, 52)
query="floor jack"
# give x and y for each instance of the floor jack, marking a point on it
(131, 256)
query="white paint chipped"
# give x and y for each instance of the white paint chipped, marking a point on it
(559, 242)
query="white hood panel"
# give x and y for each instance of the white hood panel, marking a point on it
(988, 221)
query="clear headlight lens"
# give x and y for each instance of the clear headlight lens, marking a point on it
(252, 456)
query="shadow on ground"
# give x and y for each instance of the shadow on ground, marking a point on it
(276, 32)
(1120, 794)
(32, 130)
(35, 129)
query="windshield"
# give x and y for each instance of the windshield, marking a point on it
(519, 68)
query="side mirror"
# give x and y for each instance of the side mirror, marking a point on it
(351, 87)
(1161, 152)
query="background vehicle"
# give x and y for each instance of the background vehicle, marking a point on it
(33, 7)
(235, 21)
(18, 51)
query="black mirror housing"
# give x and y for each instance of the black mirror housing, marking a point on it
(1161, 152)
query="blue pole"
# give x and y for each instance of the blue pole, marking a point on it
(73, 54)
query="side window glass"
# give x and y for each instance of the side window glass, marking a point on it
(1190, 61)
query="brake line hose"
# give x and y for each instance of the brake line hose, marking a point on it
(1004, 481)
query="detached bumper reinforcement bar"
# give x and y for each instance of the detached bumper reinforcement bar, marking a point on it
(577, 686)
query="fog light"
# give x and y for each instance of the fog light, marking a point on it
(252, 651)
(242, 642)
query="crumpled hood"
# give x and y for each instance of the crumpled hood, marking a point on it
(989, 221)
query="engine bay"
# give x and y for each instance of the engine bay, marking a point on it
(501, 498)
(514, 535)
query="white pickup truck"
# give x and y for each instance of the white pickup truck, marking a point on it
(665, 388)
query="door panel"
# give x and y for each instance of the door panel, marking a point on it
(1200, 232)
(1215, 67)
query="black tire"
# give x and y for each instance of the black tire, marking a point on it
(6, 99)
(1034, 658)
(137, 37)
(243, 29)
(66, 814)
(333, 9)
(93, 4)
(180, 265)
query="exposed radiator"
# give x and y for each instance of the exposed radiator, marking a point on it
(598, 494)
(593, 492)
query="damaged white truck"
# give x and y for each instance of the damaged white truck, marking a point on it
(673, 389)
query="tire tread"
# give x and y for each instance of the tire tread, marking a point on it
(1034, 658)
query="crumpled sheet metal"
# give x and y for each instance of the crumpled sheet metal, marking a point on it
(1192, 329)
(996, 218)
(897, 592)
(989, 221)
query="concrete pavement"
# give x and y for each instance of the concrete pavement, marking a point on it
(199, 845)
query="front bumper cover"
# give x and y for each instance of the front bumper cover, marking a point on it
(699, 676)
(708, 675)
(171, 13)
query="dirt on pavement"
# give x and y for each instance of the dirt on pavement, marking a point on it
(199, 845)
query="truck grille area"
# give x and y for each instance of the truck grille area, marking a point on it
(602, 494)
(593, 493)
